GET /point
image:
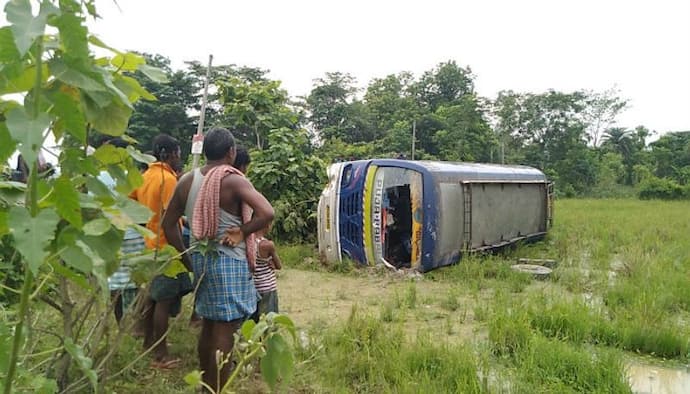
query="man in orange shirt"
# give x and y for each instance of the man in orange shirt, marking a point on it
(166, 290)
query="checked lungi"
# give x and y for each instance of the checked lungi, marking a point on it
(226, 289)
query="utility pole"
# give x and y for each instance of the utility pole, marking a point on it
(414, 136)
(198, 139)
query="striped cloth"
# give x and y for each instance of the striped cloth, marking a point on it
(226, 291)
(207, 207)
(264, 275)
(121, 279)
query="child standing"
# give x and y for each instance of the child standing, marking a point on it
(267, 262)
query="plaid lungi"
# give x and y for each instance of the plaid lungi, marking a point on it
(226, 289)
(120, 279)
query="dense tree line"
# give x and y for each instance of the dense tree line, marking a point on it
(573, 137)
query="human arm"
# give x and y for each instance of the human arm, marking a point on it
(275, 260)
(171, 220)
(244, 191)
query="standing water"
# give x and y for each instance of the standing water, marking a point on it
(654, 379)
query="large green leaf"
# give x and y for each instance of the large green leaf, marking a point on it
(278, 362)
(72, 275)
(24, 81)
(97, 227)
(110, 154)
(97, 42)
(193, 379)
(8, 51)
(27, 132)
(127, 61)
(33, 234)
(7, 144)
(127, 212)
(84, 362)
(73, 36)
(67, 201)
(247, 328)
(100, 190)
(75, 77)
(75, 257)
(133, 89)
(106, 245)
(107, 78)
(154, 73)
(69, 115)
(111, 120)
(25, 27)
(286, 323)
(140, 157)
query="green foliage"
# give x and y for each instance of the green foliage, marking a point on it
(671, 155)
(46, 245)
(364, 355)
(253, 109)
(662, 189)
(264, 341)
(176, 95)
(291, 176)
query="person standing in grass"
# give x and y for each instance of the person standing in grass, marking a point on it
(165, 292)
(217, 200)
(123, 290)
(267, 262)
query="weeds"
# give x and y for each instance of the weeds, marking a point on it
(411, 295)
(366, 356)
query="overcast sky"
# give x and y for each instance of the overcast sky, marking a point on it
(641, 47)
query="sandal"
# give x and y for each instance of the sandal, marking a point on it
(166, 364)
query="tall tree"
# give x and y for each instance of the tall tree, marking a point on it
(600, 113)
(671, 156)
(444, 85)
(172, 112)
(254, 108)
(335, 112)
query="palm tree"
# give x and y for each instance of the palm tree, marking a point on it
(621, 141)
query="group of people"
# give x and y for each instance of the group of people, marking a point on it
(233, 272)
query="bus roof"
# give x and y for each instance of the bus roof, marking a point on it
(466, 171)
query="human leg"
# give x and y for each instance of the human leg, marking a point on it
(147, 320)
(221, 337)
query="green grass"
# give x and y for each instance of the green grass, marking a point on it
(552, 365)
(621, 287)
(365, 355)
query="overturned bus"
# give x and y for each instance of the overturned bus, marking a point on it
(426, 214)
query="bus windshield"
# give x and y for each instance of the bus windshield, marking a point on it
(396, 216)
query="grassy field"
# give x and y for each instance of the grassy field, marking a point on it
(620, 294)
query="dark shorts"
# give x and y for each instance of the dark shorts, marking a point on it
(165, 288)
(127, 297)
(267, 303)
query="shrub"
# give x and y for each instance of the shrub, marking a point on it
(662, 189)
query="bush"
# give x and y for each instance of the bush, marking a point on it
(291, 177)
(662, 189)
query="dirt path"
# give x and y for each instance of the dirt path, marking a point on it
(318, 299)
